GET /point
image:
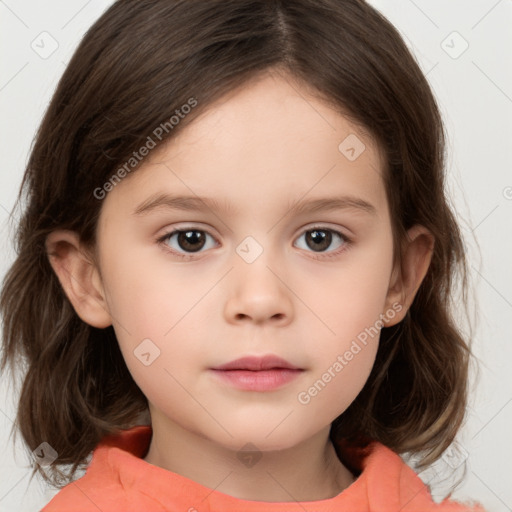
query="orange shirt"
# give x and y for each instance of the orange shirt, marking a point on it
(119, 479)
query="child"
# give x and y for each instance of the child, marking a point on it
(289, 359)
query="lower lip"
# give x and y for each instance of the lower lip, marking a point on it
(263, 380)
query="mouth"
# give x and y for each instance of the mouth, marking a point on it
(255, 364)
(251, 373)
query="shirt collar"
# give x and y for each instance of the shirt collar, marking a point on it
(376, 486)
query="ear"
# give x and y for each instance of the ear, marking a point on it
(79, 277)
(406, 279)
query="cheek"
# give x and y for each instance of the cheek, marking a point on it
(147, 295)
(331, 391)
(344, 356)
(351, 296)
(352, 307)
(157, 309)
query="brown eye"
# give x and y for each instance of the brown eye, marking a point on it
(320, 239)
(186, 241)
(191, 240)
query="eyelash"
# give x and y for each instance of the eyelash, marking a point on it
(347, 242)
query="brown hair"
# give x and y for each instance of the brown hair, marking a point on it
(138, 64)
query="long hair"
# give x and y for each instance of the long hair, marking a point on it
(139, 64)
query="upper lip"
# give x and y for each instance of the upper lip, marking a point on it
(255, 363)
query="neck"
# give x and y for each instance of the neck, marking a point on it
(308, 472)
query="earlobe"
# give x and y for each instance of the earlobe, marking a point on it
(79, 277)
(406, 280)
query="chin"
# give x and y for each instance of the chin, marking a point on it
(265, 437)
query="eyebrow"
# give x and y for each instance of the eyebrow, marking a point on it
(202, 204)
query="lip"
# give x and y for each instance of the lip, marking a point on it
(255, 363)
(251, 373)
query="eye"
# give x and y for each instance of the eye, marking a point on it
(320, 238)
(186, 242)
(190, 240)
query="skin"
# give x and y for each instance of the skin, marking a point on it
(261, 148)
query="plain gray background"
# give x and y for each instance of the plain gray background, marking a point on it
(465, 49)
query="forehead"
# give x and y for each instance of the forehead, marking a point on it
(278, 111)
(272, 139)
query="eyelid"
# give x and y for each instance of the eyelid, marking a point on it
(192, 226)
(345, 232)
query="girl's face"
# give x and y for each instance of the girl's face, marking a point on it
(285, 250)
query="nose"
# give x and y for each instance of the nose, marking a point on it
(258, 293)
